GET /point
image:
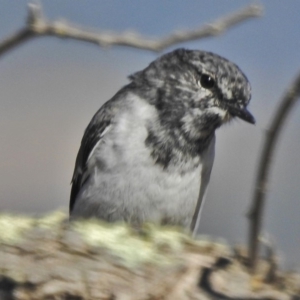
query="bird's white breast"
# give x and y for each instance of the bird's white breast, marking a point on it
(127, 183)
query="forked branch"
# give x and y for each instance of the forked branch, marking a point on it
(38, 25)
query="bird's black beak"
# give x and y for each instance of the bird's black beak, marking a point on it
(241, 113)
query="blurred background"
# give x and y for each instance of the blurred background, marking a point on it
(50, 88)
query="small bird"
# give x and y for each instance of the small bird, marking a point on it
(147, 154)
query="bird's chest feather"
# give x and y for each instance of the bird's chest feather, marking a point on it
(124, 172)
(131, 181)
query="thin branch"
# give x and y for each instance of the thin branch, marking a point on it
(24, 34)
(261, 187)
(38, 25)
(15, 40)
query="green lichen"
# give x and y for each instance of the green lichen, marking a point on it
(13, 227)
(148, 245)
(52, 220)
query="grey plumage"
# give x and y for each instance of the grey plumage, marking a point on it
(147, 153)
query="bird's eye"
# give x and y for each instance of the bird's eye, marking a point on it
(207, 81)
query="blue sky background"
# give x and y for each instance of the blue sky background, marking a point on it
(50, 88)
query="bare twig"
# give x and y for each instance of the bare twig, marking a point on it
(258, 202)
(15, 40)
(26, 33)
(37, 25)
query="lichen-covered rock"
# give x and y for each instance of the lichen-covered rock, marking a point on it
(50, 258)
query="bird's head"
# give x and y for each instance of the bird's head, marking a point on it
(196, 90)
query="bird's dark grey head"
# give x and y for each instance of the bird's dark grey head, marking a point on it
(197, 90)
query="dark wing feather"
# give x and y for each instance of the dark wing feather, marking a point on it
(92, 135)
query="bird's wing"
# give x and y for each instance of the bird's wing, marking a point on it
(92, 136)
(208, 161)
